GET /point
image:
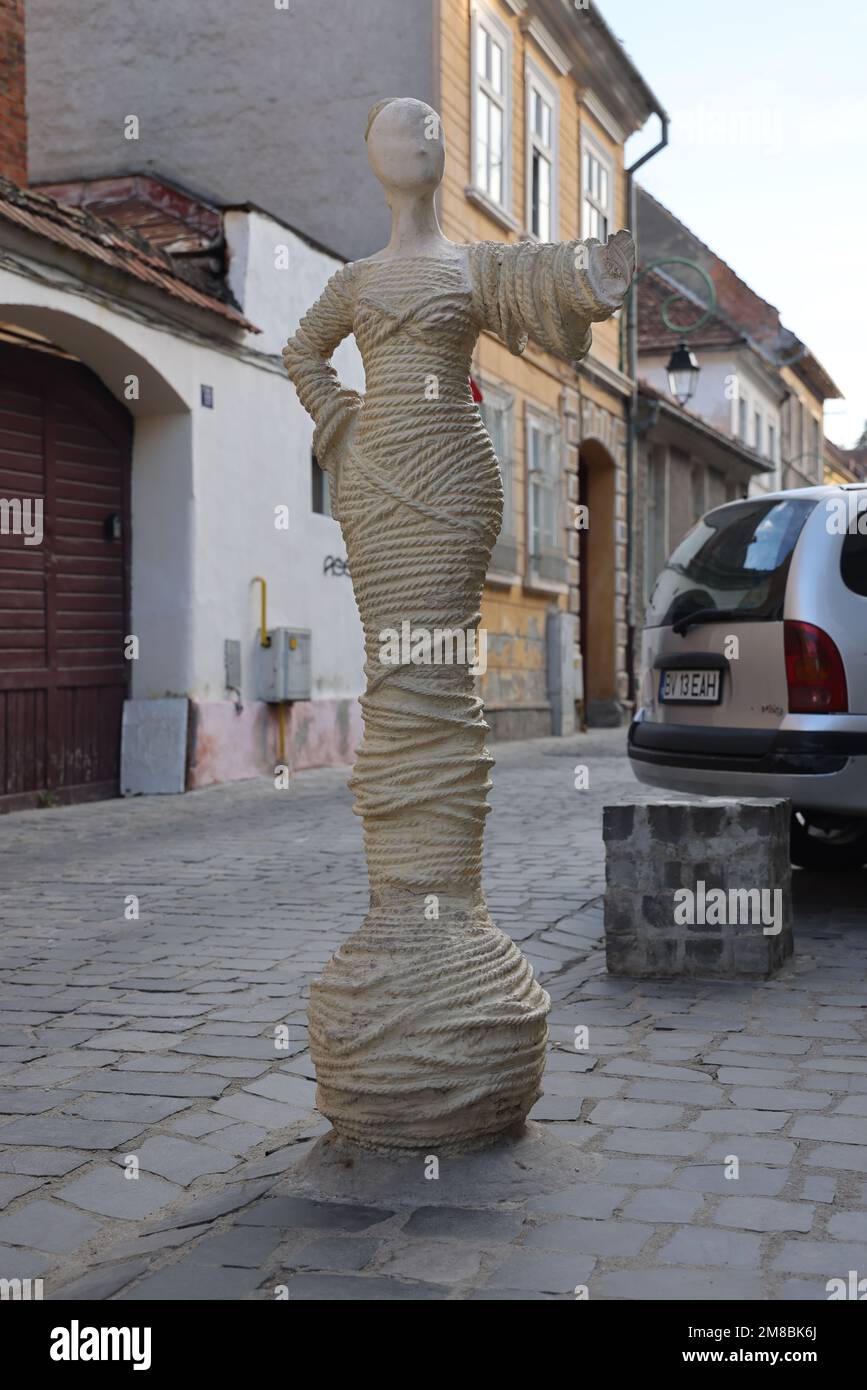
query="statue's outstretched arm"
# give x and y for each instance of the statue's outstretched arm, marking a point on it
(332, 406)
(551, 293)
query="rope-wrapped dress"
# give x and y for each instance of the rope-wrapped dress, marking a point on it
(416, 488)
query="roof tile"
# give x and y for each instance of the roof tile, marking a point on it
(121, 248)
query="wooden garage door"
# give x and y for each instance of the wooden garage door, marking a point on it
(64, 601)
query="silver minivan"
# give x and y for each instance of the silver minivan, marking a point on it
(754, 665)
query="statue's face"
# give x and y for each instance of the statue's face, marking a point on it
(406, 147)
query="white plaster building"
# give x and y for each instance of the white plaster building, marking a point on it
(736, 394)
(148, 408)
(759, 384)
(754, 422)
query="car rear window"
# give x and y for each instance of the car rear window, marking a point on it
(853, 562)
(735, 558)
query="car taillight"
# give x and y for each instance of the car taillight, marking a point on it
(814, 671)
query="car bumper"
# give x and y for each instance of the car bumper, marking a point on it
(816, 768)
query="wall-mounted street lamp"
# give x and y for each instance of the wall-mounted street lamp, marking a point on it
(682, 376)
(683, 373)
(683, 368)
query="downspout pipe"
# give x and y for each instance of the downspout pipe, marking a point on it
(632, 372)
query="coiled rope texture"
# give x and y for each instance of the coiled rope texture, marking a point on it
(426, 1032)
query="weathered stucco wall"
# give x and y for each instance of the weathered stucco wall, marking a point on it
(227, 105)
(205, 485)
(252, 456)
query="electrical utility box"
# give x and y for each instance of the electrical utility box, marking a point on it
(283, 668)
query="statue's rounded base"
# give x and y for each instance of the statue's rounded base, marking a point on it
(427, 1034)
(530, 1163)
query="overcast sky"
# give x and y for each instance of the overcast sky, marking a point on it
(768, 157)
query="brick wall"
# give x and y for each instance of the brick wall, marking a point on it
(13, 109)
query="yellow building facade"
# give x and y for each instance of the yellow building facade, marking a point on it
(842, 466)
(807, 387)
(534, 151)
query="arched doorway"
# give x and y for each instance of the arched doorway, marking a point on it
(598, 585)
(65, 451)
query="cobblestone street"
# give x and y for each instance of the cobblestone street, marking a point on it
(153, 1039)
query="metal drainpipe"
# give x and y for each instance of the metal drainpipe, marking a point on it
(632, 370)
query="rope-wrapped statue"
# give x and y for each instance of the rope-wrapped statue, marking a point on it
(427, 1027)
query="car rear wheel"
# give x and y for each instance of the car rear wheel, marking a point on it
(826, 842)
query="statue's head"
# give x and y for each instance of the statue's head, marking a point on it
(405, 145)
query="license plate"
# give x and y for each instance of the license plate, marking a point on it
(690, 687)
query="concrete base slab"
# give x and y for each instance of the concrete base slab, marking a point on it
(532, 1163)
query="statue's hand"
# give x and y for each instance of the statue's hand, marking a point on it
(342, 445)
(611, 268)
(333, 437)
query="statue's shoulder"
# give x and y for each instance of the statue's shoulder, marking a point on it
(345, 278)
(486, 262)
(488, 258)
(488, 250)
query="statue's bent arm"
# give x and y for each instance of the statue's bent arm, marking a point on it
(332, 406)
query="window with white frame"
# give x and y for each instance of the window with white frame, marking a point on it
(542, 117)
(742, 418)
(656, 518)
(757, 431)
(496, 412)
(543, 487)
(319, 488)
(491, 133)
(597, 193)
(772, 442)
(698, 480)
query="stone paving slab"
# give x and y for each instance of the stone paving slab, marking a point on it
(722, 1128)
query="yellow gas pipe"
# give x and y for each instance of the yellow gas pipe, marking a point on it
(265, 641)
(281, 733)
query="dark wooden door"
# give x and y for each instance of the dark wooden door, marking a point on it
(64, 599)
(584, 586)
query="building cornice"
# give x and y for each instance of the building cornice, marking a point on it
(546, 43)
(677, 418)
(597, 59)
(587, 98)
(611, 377)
